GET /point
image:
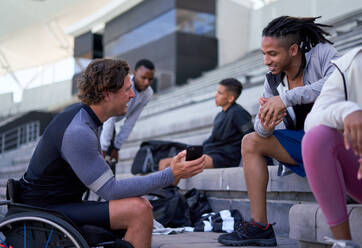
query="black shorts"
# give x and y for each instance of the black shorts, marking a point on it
(86, 212)
(221, 161)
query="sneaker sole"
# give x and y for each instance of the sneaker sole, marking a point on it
(254, 242)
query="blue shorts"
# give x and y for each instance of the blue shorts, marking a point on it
(86, 213)
(291, 140)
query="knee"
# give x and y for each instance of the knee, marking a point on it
(318, 143)
(136, 207)
(249, 144)
(142, 206)
(317, 138)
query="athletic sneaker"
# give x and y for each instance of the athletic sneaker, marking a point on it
(337, 243)
(250, 233)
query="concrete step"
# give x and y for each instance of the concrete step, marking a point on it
(204, 240)
(226, 189)
(3, 182)
(308, 224)
(232, 179)
(2, 192)
(278, 210)
(186, 121)
(23, 160)
(249, 66)
(13, 171)
(20, 154)
(3, 210)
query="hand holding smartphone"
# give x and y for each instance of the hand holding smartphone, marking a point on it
(193, 152)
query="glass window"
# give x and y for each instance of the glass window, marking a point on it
(174, 20)
(150, 31)
(195, 22)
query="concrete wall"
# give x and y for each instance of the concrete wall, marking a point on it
(232, 30)
(328, 9)
(46, 97)
(7, 104)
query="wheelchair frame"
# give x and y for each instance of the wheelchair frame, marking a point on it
(28, 226)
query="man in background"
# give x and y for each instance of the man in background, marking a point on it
(141, 80)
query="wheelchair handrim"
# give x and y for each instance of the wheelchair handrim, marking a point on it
(42, 220)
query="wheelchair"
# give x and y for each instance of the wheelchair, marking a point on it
(35, 227)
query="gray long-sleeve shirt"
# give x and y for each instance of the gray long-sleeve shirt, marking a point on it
(318, 69)
(135, 107)
(68, 160)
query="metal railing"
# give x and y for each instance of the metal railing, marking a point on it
(14, 138)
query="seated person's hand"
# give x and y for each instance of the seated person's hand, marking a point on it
(262, 100)
(271, 125)
(112, 158)
(184, 169)
(353, 136)
(353, 132)
(271, 111)
(114, 155)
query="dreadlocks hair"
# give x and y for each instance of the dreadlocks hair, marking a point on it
(299, 30)
(302, 31)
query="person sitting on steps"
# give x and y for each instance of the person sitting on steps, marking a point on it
(222, 148)
(332, 145)
(298, 58)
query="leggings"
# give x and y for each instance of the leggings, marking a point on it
(331, 171)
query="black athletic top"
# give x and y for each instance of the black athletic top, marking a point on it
(229, 128)
(68, 160)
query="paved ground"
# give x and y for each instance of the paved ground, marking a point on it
(203, 240)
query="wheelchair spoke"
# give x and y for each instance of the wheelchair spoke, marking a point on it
(2, 241)
(39, 230)
(24, 235)
(50, 235)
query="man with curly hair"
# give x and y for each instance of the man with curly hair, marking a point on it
(68, 160)
(141, 80)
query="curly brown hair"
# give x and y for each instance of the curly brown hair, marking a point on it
(101, 75)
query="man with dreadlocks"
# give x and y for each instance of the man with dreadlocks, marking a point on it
(298, 57)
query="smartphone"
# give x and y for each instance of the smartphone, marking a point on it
(193, 152)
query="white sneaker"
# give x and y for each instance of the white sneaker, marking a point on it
(338, 243)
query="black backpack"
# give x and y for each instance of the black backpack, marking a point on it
(151, 152)
(198, 204)
(170, 207)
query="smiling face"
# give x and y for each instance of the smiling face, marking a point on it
(143, 78)
(278, 58)
(119, 99)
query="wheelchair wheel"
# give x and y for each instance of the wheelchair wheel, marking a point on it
(39, 230)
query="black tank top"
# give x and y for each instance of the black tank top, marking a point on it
(301, 111)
